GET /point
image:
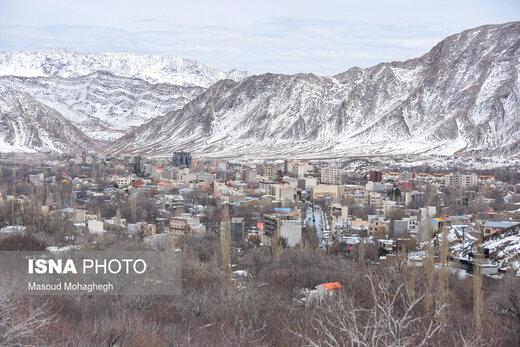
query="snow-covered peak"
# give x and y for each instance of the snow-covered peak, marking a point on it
(152, 68)
(459, 98)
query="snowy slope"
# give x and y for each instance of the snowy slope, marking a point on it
(461, 97)
(152, 68)
(102, 105)
(27, 125)
(504, 248)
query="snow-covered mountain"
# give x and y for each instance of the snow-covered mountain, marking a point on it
(102, 105)
(461, 97)
(27, 125)
(151, 68)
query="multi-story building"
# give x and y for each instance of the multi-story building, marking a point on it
(423, 227)
(303, 169)
(331, 175)
(286, 224)
(309, 182)
(181, 159)
(375, 176)
(178, 226)
(291, 167)
(335, 192)
(237, 229)
(460, 180)
(368, 198)
(283, 192)
(405, 226)
(249, 175)
(134, 163)
(271, 171)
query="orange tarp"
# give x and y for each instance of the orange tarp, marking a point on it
(332, 285)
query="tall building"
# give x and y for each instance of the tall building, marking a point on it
(271, 171)
(237, 230)
(249, 174)
(286, 224)
(375, 176)
(135, 161)
(331, 175)
(460, 180)
(181, 159)
(283, 192)
(303, 168)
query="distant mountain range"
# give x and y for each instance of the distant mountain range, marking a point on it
(27, 125)
(151, 68)
(103, 95)
(102, 105)
(462, 97)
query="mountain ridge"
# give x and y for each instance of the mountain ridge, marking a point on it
(101, 104)
(170, 69)
(460, 97)
(27, 125)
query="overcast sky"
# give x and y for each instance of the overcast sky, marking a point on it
(282, 36)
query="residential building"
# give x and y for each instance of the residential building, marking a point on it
(286, 224)
(237, 229)
(283, 192)
(491, 227)
(304, 169)
(331, 175)
(335, 192)
(271, 171)
(375, 176)
(181, 159)
(460, 180)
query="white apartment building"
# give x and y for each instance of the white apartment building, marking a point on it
(310, 182)
(303, 169)
(460, 180)
(412, 224)
(122, 181)
(287, 226)
(283, 192)
(368, 198)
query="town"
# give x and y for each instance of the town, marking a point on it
(239, 215)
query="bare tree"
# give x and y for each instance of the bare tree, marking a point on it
(478, 294)
(19, 322)
(392, 317)
(225, 239)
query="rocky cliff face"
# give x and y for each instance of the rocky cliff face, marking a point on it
(102, 105)
(27, 125)
(106, 95)
(461, 97)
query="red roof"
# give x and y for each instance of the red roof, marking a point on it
(332, 285)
